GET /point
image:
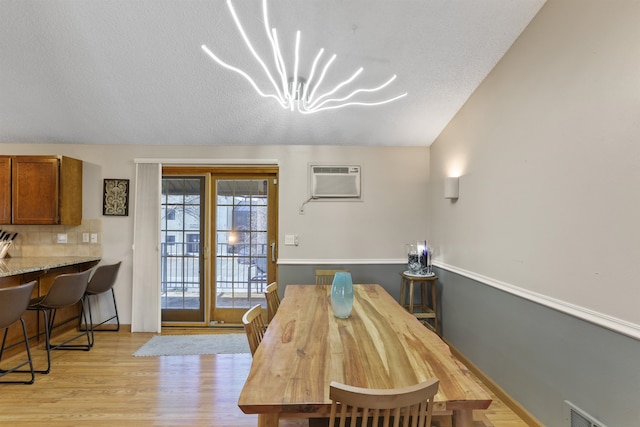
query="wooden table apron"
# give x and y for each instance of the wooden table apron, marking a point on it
(380, 345)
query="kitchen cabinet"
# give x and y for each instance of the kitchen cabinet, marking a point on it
(44, 190)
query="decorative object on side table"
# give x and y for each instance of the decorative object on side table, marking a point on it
(426, 267)
(342, 294)
(116, 197)
(419, 260)
(413, 258)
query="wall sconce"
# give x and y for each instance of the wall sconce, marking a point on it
(451, 187)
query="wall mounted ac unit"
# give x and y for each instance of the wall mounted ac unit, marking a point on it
(334, 181)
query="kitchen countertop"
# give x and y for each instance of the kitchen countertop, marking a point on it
(19, 265)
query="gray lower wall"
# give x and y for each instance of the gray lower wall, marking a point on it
(539, 356)
(387, 275)
(542, 357)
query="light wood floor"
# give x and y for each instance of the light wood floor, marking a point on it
(107, 386)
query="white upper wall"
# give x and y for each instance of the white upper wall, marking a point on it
(376, 229)
(547, 149)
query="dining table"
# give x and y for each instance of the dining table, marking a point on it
(380, 345)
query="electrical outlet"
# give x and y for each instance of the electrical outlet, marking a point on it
(85, 237)
(94, 237)
(62, 238)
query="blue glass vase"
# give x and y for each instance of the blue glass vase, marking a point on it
(342, 294)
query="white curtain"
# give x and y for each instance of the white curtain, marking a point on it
(146, 314)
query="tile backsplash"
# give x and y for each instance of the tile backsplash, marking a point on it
(42, 240)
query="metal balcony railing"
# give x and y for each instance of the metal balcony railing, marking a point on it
(240, 274)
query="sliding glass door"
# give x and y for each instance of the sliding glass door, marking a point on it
(245, 235)
(218, 242)
(182, 264)
(242, 244)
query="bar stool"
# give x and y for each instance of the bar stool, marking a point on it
(426, 312)
(66, 290)
(13, 304)
(102, 280)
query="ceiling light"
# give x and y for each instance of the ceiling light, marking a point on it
(292, 91)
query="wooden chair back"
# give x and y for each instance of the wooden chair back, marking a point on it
(254, 327)
(407, 406)
(325, 277)
(273, 300)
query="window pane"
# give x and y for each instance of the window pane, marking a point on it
(181, 261)
(241, 225)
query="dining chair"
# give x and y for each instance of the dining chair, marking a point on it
(254, 327)
(13, 304)
(66, 290)
(102, 280)
(273, 299)
(325, 277)
(412, 405)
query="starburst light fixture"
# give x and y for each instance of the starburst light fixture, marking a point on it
(295, 92)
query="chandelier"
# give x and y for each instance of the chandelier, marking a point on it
(293, 92)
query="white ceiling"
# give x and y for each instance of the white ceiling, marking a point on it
(133, 72)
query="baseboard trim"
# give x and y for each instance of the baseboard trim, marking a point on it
(125, 328)
(518, 409)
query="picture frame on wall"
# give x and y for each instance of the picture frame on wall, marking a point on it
(115, 197)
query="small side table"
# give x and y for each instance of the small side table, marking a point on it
(426, 311)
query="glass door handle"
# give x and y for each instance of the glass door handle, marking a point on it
(273, 252)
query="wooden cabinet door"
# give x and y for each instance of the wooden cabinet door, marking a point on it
(5, 190)
(35, 190)
(70, 187)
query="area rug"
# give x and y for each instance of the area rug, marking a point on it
(180, 345)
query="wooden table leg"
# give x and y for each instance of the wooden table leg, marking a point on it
(462, 418)
(434, 305)
(268, 420)
(410, 296)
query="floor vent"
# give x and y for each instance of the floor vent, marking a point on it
(576, 417)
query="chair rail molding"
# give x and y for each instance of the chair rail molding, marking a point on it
(382, 261)
(623, 327)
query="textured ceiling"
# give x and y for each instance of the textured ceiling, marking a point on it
(133, 72)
